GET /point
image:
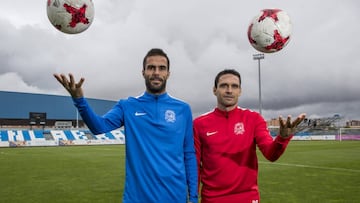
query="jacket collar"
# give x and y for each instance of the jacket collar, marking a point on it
(226, 113)
(150, 96)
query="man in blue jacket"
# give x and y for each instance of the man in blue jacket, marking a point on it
(160, 156)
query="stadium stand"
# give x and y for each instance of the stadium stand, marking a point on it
(14, 112)
(63, 126)
(17, 138)
(28, 119)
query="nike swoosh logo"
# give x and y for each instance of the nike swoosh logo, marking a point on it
(139, 114)
(211, 133)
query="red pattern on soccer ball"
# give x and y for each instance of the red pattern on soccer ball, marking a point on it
(78, 15)
(279, 41)
(271, 13)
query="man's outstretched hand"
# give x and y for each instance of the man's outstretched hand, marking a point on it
(70, 85)
(288, 128)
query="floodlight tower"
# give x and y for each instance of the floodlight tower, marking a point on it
(259, 57)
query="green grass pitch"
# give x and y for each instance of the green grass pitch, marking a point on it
(309, 171)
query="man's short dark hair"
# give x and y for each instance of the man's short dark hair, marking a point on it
(156, 52)
(226, 71)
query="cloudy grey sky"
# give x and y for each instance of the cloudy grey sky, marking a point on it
(317, 73)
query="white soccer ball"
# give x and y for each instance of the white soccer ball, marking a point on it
(270, 31)
(70, 16)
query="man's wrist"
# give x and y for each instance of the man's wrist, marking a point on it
(285, 136)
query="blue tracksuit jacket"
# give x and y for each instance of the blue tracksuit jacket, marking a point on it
(161, 163)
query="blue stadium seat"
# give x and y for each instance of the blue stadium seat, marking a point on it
(69, 135)
(4, 136)
(26, 135)
(110, 136)
(39, 134)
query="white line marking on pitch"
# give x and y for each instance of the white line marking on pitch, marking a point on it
(308, 166)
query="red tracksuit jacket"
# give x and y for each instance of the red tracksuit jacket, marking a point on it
(226, 144)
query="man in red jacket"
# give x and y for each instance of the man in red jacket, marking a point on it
(226, 140)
